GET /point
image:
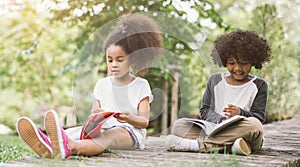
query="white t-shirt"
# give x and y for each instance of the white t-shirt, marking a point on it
(122, 99)
(239, 95)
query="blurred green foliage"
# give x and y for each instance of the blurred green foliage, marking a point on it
(49, 57)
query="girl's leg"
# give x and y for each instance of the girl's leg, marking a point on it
(34, 137)
(74, 132)
(63, 146)
(115, 138)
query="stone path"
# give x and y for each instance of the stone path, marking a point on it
(281, 148)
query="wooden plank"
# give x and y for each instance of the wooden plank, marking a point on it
(281, 148)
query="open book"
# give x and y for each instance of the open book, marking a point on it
(92, 126)
(211, 128)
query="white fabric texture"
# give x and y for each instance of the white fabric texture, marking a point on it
(122, 99)
(241, 95)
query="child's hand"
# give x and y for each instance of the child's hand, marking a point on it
(231, 110)
(122, 117)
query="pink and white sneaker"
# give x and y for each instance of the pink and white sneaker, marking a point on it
(34, 137)
(58, 137)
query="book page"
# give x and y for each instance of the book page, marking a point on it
(225, 124)
(211, 128)
(204, 125)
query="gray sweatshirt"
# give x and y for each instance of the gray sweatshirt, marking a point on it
(256, 93)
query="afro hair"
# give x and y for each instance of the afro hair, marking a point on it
(241, 45)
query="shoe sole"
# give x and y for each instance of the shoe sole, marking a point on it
(244, 147)
(53, 129)
(28, 133)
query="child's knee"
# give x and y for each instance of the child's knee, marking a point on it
(255, 133)
(178, 125)
(181, 127)
(186, 129)
(255, 124)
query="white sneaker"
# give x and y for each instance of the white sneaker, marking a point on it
(241, 147)
(175, 143)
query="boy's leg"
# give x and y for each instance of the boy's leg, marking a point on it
(250, 129)
(185, 129)
(184, 137)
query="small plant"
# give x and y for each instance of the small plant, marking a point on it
(229, 160)
(11, 148)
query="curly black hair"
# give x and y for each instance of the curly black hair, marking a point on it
(242, 45)
(140, 37)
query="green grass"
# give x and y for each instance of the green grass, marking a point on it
(227, 161)
(13, 148)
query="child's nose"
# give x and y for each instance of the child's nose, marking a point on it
(114, 63)
(237, 67)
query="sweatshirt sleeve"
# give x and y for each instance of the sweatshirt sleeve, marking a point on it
(207, 109)
(259, 105)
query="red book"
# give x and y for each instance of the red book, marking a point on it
(92, 126)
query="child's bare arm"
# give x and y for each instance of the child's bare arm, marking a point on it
(142, 119)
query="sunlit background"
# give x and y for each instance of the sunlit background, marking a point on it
(42, 41)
